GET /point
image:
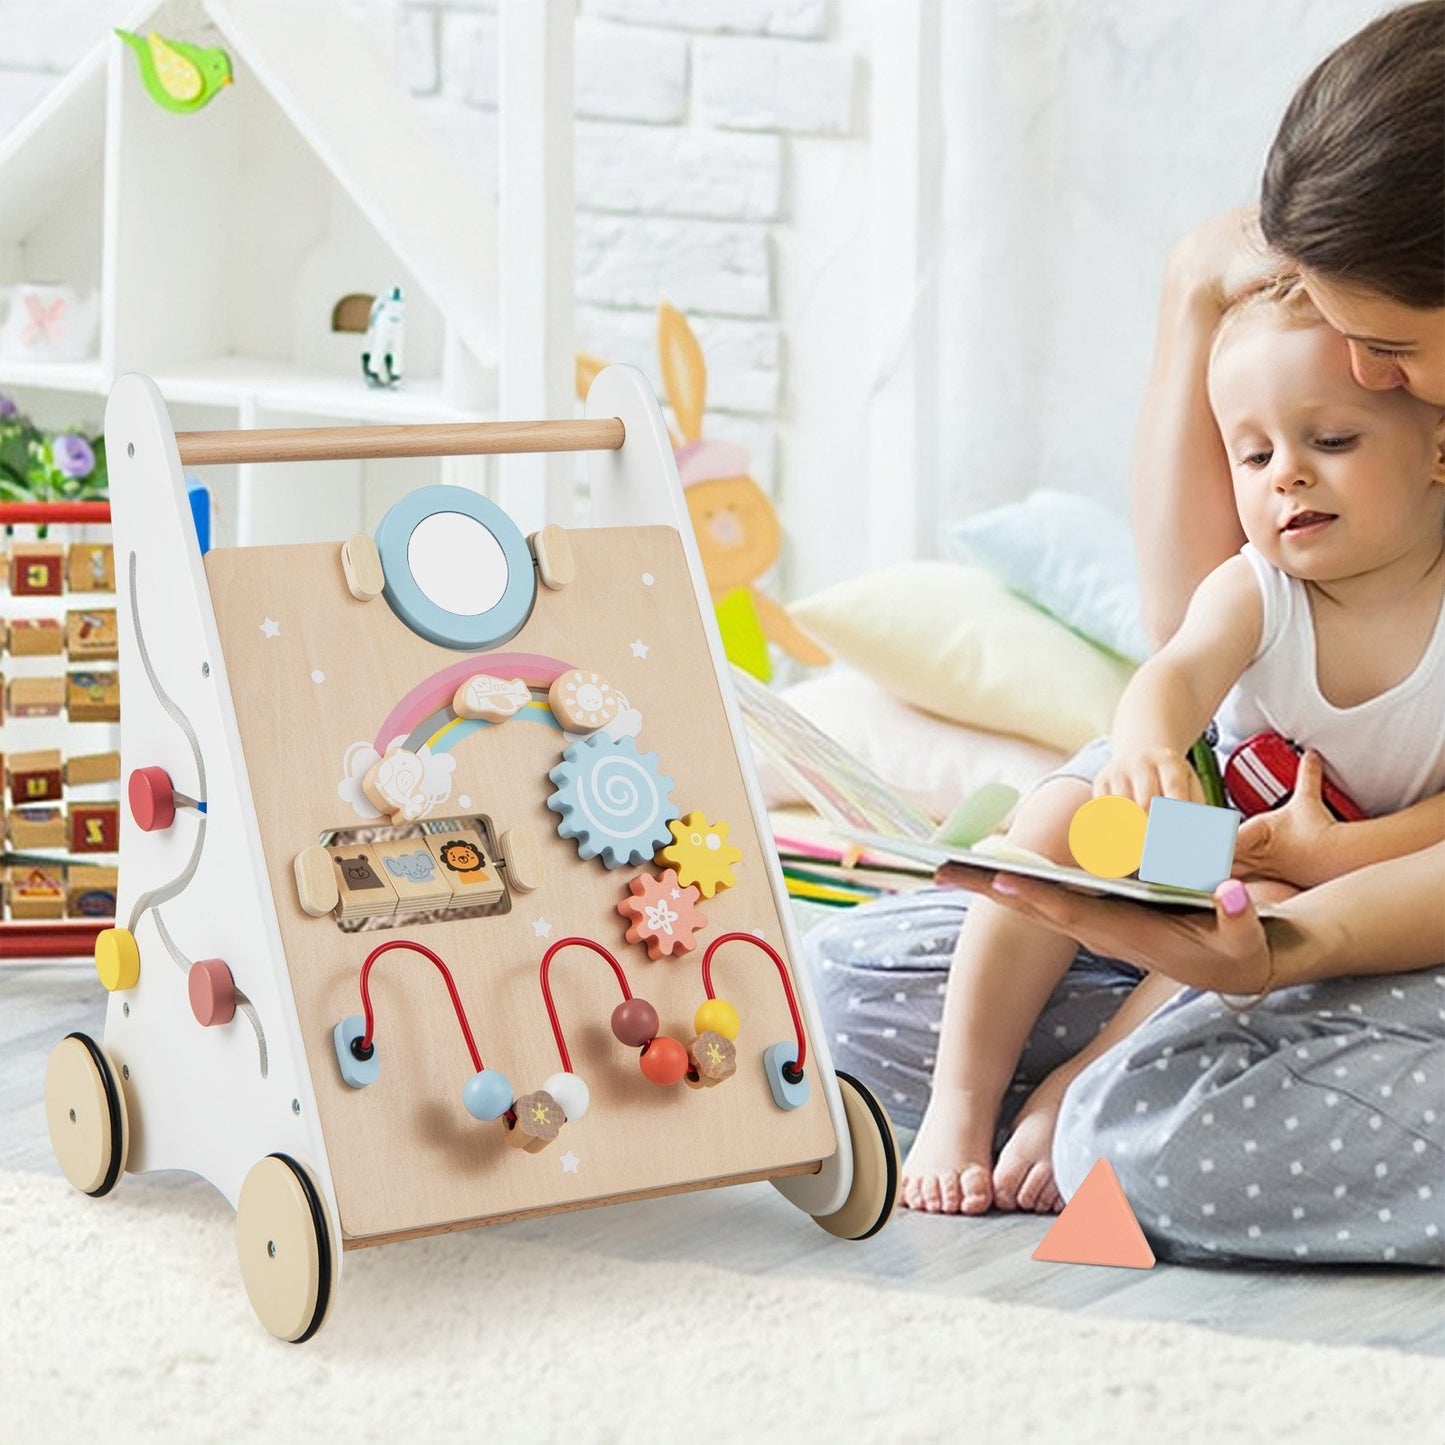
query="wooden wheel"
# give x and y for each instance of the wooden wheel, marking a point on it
(874, 1191)
(85, 1111)
(286, 1247)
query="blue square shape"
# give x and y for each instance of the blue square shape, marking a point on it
(1188, 845)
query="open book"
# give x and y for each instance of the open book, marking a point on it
(888, 835)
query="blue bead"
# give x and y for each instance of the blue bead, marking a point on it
(488, 1095)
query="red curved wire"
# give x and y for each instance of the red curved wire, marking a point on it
(446, 974)
(782, 972)
(547, 988)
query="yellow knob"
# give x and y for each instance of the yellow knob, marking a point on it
(117, 959)
(718, 1015)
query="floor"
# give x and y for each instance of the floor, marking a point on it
(751, 1228)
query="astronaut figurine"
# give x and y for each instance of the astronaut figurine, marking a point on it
(381, 358)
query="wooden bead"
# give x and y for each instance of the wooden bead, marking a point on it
(634, 1022)
(361, 564)
(555, 563)
(713, 1058)
(487, 1095)
(664, 1061)
(718, 1016)
(570, 1092)
(539, 1120)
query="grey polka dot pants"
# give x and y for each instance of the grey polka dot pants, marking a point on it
(1310, 1129)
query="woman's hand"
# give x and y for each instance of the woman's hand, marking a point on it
(1224, 259)
(1152, 773)
(1228, 952)
(1295, 843)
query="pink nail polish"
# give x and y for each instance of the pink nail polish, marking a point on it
(1001, 884)
(1234, 897)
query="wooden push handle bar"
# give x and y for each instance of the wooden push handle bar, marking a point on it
(348, 443)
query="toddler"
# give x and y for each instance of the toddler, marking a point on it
(1329, 629)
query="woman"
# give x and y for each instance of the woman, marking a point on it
(1309, 1124)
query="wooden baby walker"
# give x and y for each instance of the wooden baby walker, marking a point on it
(433, 838)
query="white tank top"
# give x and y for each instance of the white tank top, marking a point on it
(1386, 752)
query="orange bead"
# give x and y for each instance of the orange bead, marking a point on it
(664, 1061)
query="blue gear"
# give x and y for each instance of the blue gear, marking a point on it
(613, 800)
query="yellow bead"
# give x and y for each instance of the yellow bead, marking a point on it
(1106, 836)
(117, 959)
(718, 1015)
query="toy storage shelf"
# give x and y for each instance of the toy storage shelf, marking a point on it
(25, 940)
(219, 242)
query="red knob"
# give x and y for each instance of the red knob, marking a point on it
(212, 991)
(152, 799)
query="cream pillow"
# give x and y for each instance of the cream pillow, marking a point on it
(954, 641)
(931, 763)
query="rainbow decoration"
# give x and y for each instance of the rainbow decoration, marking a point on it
(425, 716)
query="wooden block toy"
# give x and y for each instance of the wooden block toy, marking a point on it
(361, 1091)
(583, 701)
(36, 828)
(90, 635)
(662, 914)
(92, 696)
(92, 567)
(701, 853)
(462, 861)
(361, 883)
(94, 827)
(36, 777)
(37, 892)
(90, 890)
(1188, 845)
(1106, 836)
(92, 768)
(1097, 1226)
(36, 696)
(493, 698)
(36, 637)
(37, 569)
(414, 871)
(712, 1059)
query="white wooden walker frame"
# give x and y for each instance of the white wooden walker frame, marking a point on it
(163, 1092)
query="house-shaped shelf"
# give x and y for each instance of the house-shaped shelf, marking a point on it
(218, 244)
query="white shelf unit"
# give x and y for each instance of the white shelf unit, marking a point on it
(220, 241)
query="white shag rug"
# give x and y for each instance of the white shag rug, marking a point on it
(124, 1319)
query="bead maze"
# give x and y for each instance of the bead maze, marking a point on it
(519, 763)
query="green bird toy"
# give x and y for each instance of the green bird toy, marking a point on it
(180, 77)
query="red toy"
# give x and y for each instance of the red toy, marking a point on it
(1260, 775)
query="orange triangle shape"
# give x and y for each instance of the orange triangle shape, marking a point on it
(1097, 1226)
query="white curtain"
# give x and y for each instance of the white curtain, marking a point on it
(1080, 138)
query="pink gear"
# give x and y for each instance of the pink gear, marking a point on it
(662, 914)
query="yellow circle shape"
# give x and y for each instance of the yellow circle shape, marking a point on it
(117, 959)
(1106, 836)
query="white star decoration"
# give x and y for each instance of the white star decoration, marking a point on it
(639, 648)
(541, 928)
(570, 1162)
(271, 627)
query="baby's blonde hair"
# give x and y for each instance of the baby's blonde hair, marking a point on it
(1287, 302)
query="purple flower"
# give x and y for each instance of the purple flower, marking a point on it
(7, 408)
(73, 455)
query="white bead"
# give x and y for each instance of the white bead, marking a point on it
(571, 1093)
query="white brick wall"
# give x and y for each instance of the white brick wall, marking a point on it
(687, 114)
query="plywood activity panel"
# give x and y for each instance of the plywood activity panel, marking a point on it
(447, 892)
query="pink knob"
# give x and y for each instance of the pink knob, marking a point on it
(152, 799)
(212, 991)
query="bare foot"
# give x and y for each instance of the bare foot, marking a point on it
(947, 1170)
(1024, 1176)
